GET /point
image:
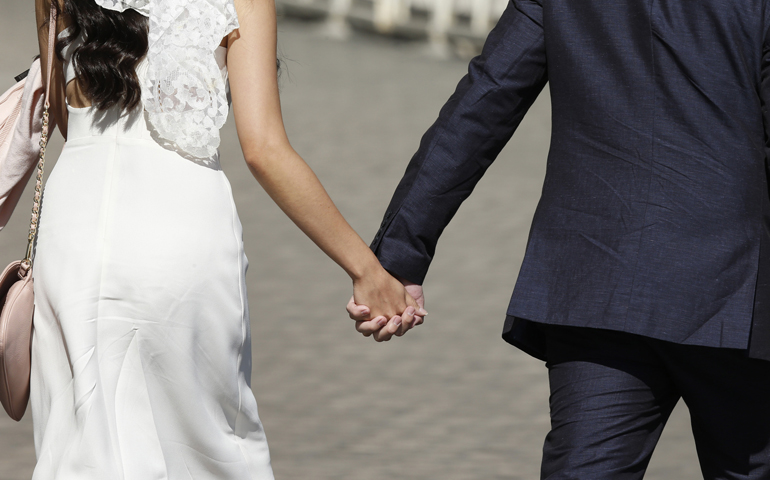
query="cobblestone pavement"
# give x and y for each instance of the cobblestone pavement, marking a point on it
(451, 400)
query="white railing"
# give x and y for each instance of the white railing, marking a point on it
(440, 21)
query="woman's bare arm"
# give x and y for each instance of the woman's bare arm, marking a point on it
(251, 61)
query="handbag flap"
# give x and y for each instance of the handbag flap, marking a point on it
(15, 338)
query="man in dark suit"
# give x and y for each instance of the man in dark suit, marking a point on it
(646, 277)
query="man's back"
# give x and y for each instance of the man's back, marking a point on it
(652, 208)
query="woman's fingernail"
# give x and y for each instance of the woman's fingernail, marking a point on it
(421, 312)
(397, 321)
(409, 311)
(382, 322)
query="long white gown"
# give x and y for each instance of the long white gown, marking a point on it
(141, 354)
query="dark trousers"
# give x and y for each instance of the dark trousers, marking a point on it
(612, 393)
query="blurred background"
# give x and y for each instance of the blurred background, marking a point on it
(362, 80)
(449, 27)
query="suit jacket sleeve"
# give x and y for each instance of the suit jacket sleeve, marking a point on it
(473, 126)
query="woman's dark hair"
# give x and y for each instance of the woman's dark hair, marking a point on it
(113, 44)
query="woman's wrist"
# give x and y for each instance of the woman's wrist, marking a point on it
(364, 267)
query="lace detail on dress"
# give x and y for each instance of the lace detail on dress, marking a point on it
(141, 6)
(183, 90)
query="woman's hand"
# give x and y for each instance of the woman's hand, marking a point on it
(390, 300)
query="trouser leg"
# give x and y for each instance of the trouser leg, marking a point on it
(610, 399)
(728, 396)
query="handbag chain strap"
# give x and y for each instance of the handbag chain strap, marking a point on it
(26, 264)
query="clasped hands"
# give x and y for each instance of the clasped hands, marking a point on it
(384, 306)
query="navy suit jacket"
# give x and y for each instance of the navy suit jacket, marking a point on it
(654, 213)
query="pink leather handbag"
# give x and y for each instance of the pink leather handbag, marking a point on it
(24, 126)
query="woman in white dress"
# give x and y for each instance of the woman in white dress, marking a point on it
(141, 348)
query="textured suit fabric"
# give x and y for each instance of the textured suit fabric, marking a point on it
(612, 393)
(655, 204)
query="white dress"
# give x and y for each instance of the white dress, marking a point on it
(141, 353)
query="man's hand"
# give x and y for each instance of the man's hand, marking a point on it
(416, 292)
(380, 328)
